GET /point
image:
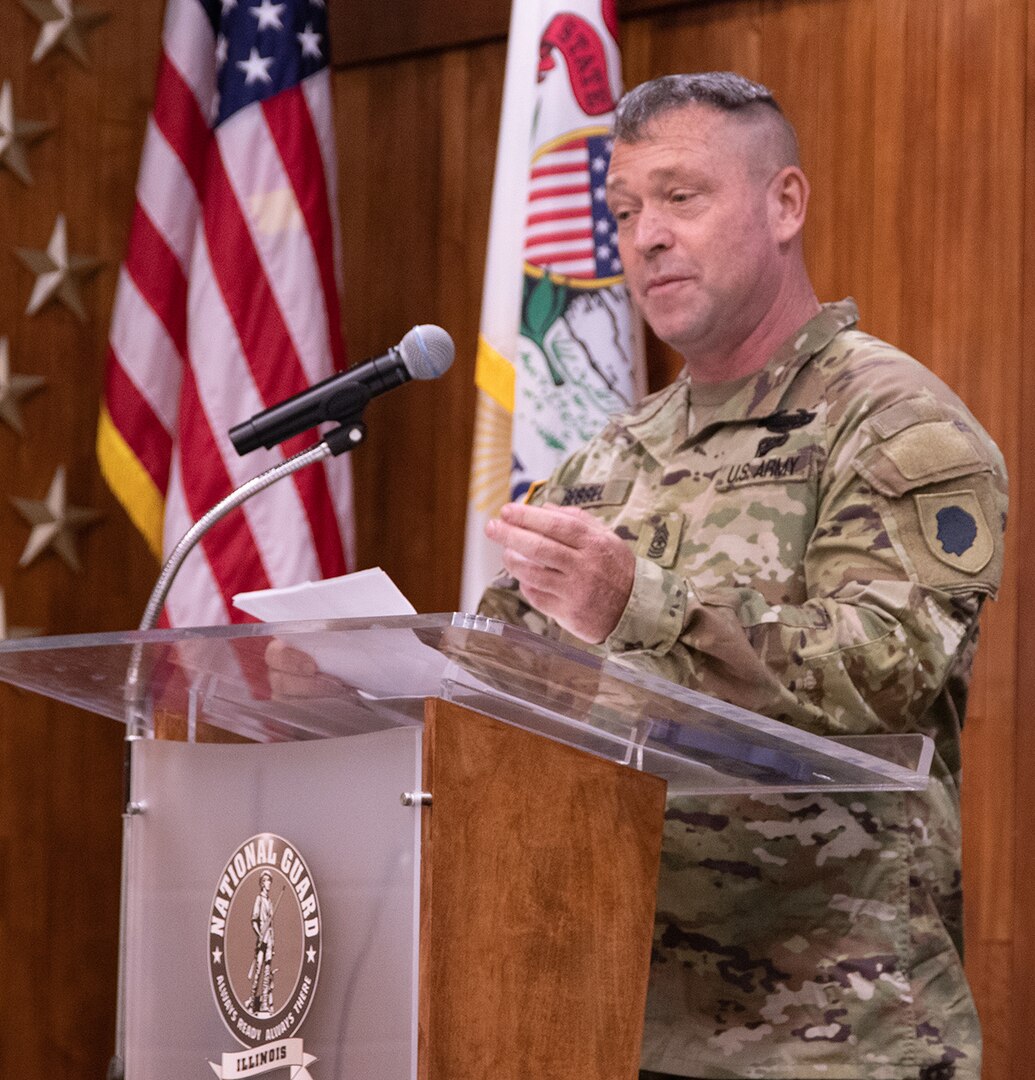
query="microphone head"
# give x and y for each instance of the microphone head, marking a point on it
(427, 351)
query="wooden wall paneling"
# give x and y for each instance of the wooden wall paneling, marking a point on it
(399, 28)
(975, 338)
(1021, 1002)
(473, 90)
(363, 34)
(417, 143)
(828, 96)
(387, 151)
(60, 771)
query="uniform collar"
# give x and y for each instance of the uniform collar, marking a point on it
(662, 422)
(763, 394)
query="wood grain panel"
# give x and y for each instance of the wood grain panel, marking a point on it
(60, 771)
(400, 28)
(1019, 826)
(538, 872)
(417, 142)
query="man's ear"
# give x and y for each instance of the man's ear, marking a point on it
(788, 201)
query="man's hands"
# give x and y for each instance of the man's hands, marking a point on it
(569, 565)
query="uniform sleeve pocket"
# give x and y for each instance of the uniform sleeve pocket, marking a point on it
(928, 453)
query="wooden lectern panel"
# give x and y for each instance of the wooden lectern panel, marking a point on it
(539, 869)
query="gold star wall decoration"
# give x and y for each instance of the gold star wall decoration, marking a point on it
(54, 523)
(13, 389)
(64, 23)
(11, 633)
(57, 272)
(16, 135)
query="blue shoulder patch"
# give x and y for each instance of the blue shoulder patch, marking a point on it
(957, 530)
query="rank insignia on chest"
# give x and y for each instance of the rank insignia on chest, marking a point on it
(659, 538)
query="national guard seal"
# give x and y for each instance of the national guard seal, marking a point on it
(264, 954)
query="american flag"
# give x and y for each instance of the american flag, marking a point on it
(569, 229)
(228, 299)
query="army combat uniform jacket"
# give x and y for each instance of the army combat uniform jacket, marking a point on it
(818, 551)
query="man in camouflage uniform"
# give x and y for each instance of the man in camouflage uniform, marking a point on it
(806, 523)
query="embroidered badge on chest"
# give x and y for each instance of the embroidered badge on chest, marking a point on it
(659, 538)
(782, 424)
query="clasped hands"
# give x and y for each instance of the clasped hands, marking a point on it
(568, 565)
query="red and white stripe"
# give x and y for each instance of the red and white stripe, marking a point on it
(559, 226)
(228, 303)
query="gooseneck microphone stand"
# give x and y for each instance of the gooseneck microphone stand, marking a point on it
(347, 436)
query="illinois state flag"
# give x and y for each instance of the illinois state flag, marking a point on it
(559, 348)
(228, 300)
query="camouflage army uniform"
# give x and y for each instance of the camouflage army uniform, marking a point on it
(818, 552)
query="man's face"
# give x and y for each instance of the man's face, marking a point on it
(694, 233)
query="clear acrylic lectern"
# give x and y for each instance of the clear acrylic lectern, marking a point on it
(440, 860)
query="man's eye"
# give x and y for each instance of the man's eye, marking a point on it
(621, 214)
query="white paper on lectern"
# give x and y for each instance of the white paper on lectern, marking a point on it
(366, 594)
(414, 671)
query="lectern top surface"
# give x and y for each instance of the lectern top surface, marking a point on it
(377, 672)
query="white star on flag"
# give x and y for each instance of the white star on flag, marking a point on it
(310, 41)
(256, 67)
(268, 15)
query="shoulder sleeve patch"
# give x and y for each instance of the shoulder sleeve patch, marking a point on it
(955, 530)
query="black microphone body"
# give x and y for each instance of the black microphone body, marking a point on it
(424, 353)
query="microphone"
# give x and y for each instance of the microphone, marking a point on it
(426, 352)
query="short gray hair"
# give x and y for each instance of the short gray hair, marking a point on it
(725, 90)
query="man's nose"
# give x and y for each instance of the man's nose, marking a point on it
(652, 233)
